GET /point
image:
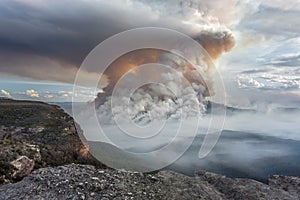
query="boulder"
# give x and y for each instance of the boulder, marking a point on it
(23, 166)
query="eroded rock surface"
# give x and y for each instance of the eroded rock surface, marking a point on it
(85, 182)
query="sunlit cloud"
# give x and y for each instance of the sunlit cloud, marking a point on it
(32, 93)
(5, 93)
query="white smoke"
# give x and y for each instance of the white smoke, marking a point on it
(179, 93)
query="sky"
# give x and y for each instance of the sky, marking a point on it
(255, 44)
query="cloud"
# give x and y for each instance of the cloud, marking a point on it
(289, 60)
(274, 18)
(57, 35)
(5, 93)
(284, 5)
(270, 28)
(286, 79)
(254, 71)
(43, 68)
(32, 93)
(276, 70)
(48, 96)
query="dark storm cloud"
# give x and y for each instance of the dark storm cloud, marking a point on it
(44, 39)
(53, 32)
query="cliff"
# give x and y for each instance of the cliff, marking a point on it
(35, 135)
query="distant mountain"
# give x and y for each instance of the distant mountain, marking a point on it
(229, 109)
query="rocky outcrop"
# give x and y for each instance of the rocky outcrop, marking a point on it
(286, 183)
(40, 132)
(11, 156)
(85, 182)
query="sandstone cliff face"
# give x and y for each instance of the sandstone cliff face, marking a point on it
(42, 133)
(85, 182)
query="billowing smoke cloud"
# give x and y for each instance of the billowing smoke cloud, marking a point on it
(216, 44)
(178, 92)
(168, 103)
(173, 97)
(49, 40)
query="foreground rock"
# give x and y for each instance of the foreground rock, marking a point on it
(23, 166)
(35, 135)
(85, 182)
